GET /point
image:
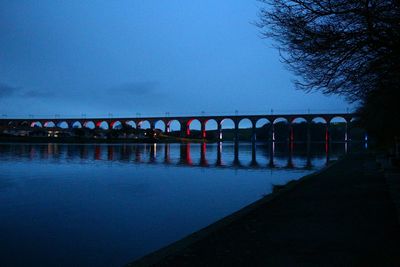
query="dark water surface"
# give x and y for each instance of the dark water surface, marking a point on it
(106, 205)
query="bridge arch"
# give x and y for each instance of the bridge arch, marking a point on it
(319, 129)
(36, 124)
(102, 125)
(115, 125)
(76, 124)
(193, 128)
(227, 126)
(262, 121)
(131, 124)
(263, 127)
(229, 123)
(338, 119)
(160, 125)
(319, 120)
(244, 124)
(338, 129)
(173, 125)
(89, 125)
(49, 124)
(299, 129)
(280, 129)
(211, 129)
(144, 124)
(12, 124)
(280, 120)
(63, 125)
(299, 120)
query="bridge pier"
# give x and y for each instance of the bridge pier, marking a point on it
(203, 130)
(253, 133)
(271, 142)
(185, 131)
(327, 151)
(327, 132)
(308, 141)
(219, 132)
(236, 132)
(291, 133)
(272, 133)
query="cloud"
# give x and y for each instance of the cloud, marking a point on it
(136, 88)
(37, 94)
(8, 90)
(131, 96)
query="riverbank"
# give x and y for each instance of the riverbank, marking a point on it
(342, 216)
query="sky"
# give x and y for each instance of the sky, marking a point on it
(144, 57)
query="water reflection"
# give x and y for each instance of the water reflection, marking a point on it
(105, 205)
(224, 155)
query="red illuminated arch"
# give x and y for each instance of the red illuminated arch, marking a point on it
(190, 124)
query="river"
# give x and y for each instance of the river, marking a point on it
(106, 205)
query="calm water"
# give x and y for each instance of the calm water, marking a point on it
(106, 205)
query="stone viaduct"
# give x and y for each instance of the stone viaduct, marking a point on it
(184, 121)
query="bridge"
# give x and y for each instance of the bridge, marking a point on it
(184, 121)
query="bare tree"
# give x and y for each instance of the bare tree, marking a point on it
(345, 47)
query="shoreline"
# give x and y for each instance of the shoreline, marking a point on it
(239, 239)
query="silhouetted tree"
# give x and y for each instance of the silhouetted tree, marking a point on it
(380, 115)
(345, 47)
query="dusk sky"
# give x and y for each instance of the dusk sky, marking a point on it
(149, 57)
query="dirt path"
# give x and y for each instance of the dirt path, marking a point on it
(341, 217)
